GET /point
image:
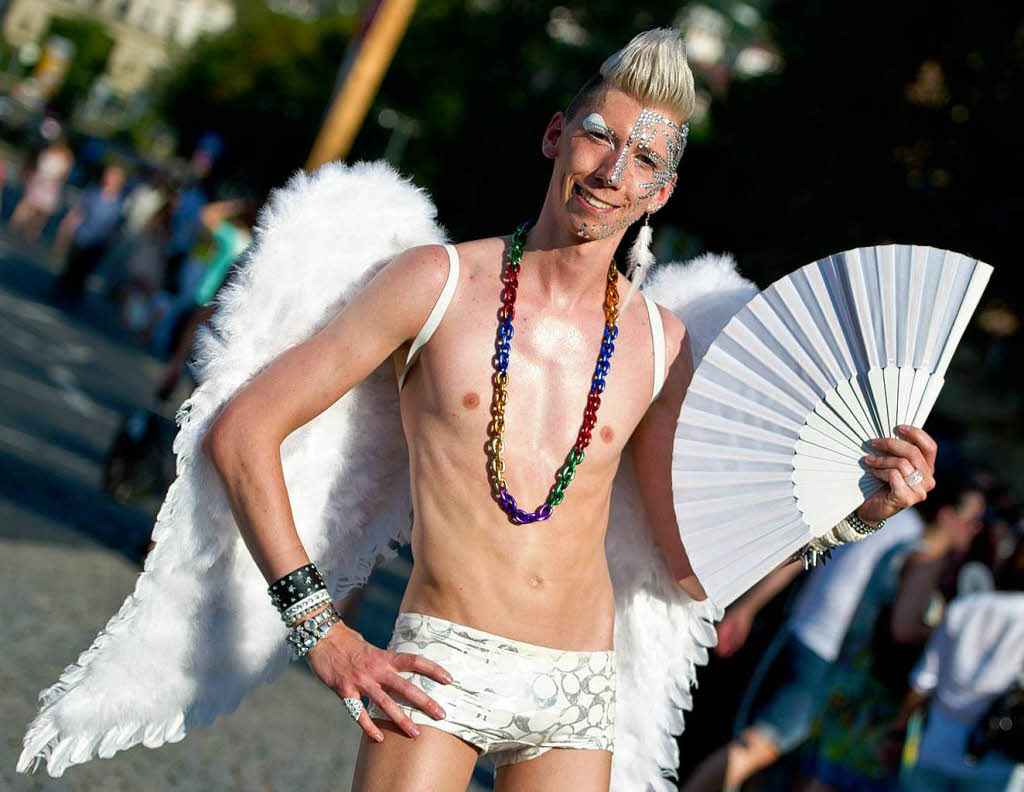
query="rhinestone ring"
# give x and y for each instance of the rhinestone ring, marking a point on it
(914, 478)
(354, 707)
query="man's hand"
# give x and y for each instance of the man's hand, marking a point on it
(896, 459)
(353, 668)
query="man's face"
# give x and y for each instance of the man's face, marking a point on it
(614, 160)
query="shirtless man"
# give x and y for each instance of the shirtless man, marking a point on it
(495, 597)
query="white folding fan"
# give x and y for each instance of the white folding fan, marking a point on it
(781, 408)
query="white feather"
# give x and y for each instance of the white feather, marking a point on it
(639, 261)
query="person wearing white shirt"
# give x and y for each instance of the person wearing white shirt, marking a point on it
(975, 656)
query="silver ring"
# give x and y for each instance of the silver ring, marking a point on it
(354, 707)
(914, 478)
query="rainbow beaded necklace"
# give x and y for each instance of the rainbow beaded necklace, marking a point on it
(497, 429)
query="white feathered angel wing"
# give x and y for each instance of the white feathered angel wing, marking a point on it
(661, 635)
(197, 634)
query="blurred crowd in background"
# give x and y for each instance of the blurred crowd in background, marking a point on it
(156, 244)
(898, 665)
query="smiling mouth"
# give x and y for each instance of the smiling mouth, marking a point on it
(591, 199)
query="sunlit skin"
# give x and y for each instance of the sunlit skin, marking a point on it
(547, 583)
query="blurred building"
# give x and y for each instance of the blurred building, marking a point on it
(147, 34)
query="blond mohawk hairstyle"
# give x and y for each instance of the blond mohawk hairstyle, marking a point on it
(653, 68)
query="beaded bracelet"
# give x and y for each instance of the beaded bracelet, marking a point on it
(309, 632)
(862, 527)
(305, 605)
(296, 586)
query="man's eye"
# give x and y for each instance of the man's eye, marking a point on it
(650, 163)
(597, 135)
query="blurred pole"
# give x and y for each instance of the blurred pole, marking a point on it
(386, 26)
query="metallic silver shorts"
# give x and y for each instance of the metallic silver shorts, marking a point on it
(511, 699)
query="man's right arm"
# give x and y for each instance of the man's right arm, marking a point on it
(245, 439)
(244, 443)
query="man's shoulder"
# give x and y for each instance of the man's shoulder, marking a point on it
(482, 255)
(426, 268)
(423, 261)
(468, 249)
(675, 329)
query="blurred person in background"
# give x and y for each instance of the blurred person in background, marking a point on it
(90, 226)
(971, 672)
(44, 186)
(229, 224)
(188, 201)
(792, 679)
(145, 197)
(143, 272)
(902, 603)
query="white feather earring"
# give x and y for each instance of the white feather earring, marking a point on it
(639, 259)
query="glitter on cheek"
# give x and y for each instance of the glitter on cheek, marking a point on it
(602, 230)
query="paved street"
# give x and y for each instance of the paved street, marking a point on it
(68, 558)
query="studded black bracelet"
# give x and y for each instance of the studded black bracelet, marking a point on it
(296, 586)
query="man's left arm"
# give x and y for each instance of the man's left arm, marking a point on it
(651, 449)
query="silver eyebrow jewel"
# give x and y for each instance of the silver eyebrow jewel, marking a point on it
(596, 123)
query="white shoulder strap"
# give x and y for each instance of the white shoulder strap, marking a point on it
(436, 313)
(658, 336)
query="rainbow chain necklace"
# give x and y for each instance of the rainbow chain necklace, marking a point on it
(497, 429)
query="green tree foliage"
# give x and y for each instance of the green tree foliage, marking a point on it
(92, 48)
(263, 85)
(484, 78)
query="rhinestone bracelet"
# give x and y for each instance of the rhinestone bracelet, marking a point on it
(308, 633)
(305, 605)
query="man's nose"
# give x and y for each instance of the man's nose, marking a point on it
(608, 172)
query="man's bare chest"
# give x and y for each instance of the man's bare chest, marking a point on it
(450, 390)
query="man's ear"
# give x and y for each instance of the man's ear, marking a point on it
(661, 197)
(549, 143)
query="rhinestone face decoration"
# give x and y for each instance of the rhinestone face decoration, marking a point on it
(650, 126)
(567, 472)
(645, 132)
